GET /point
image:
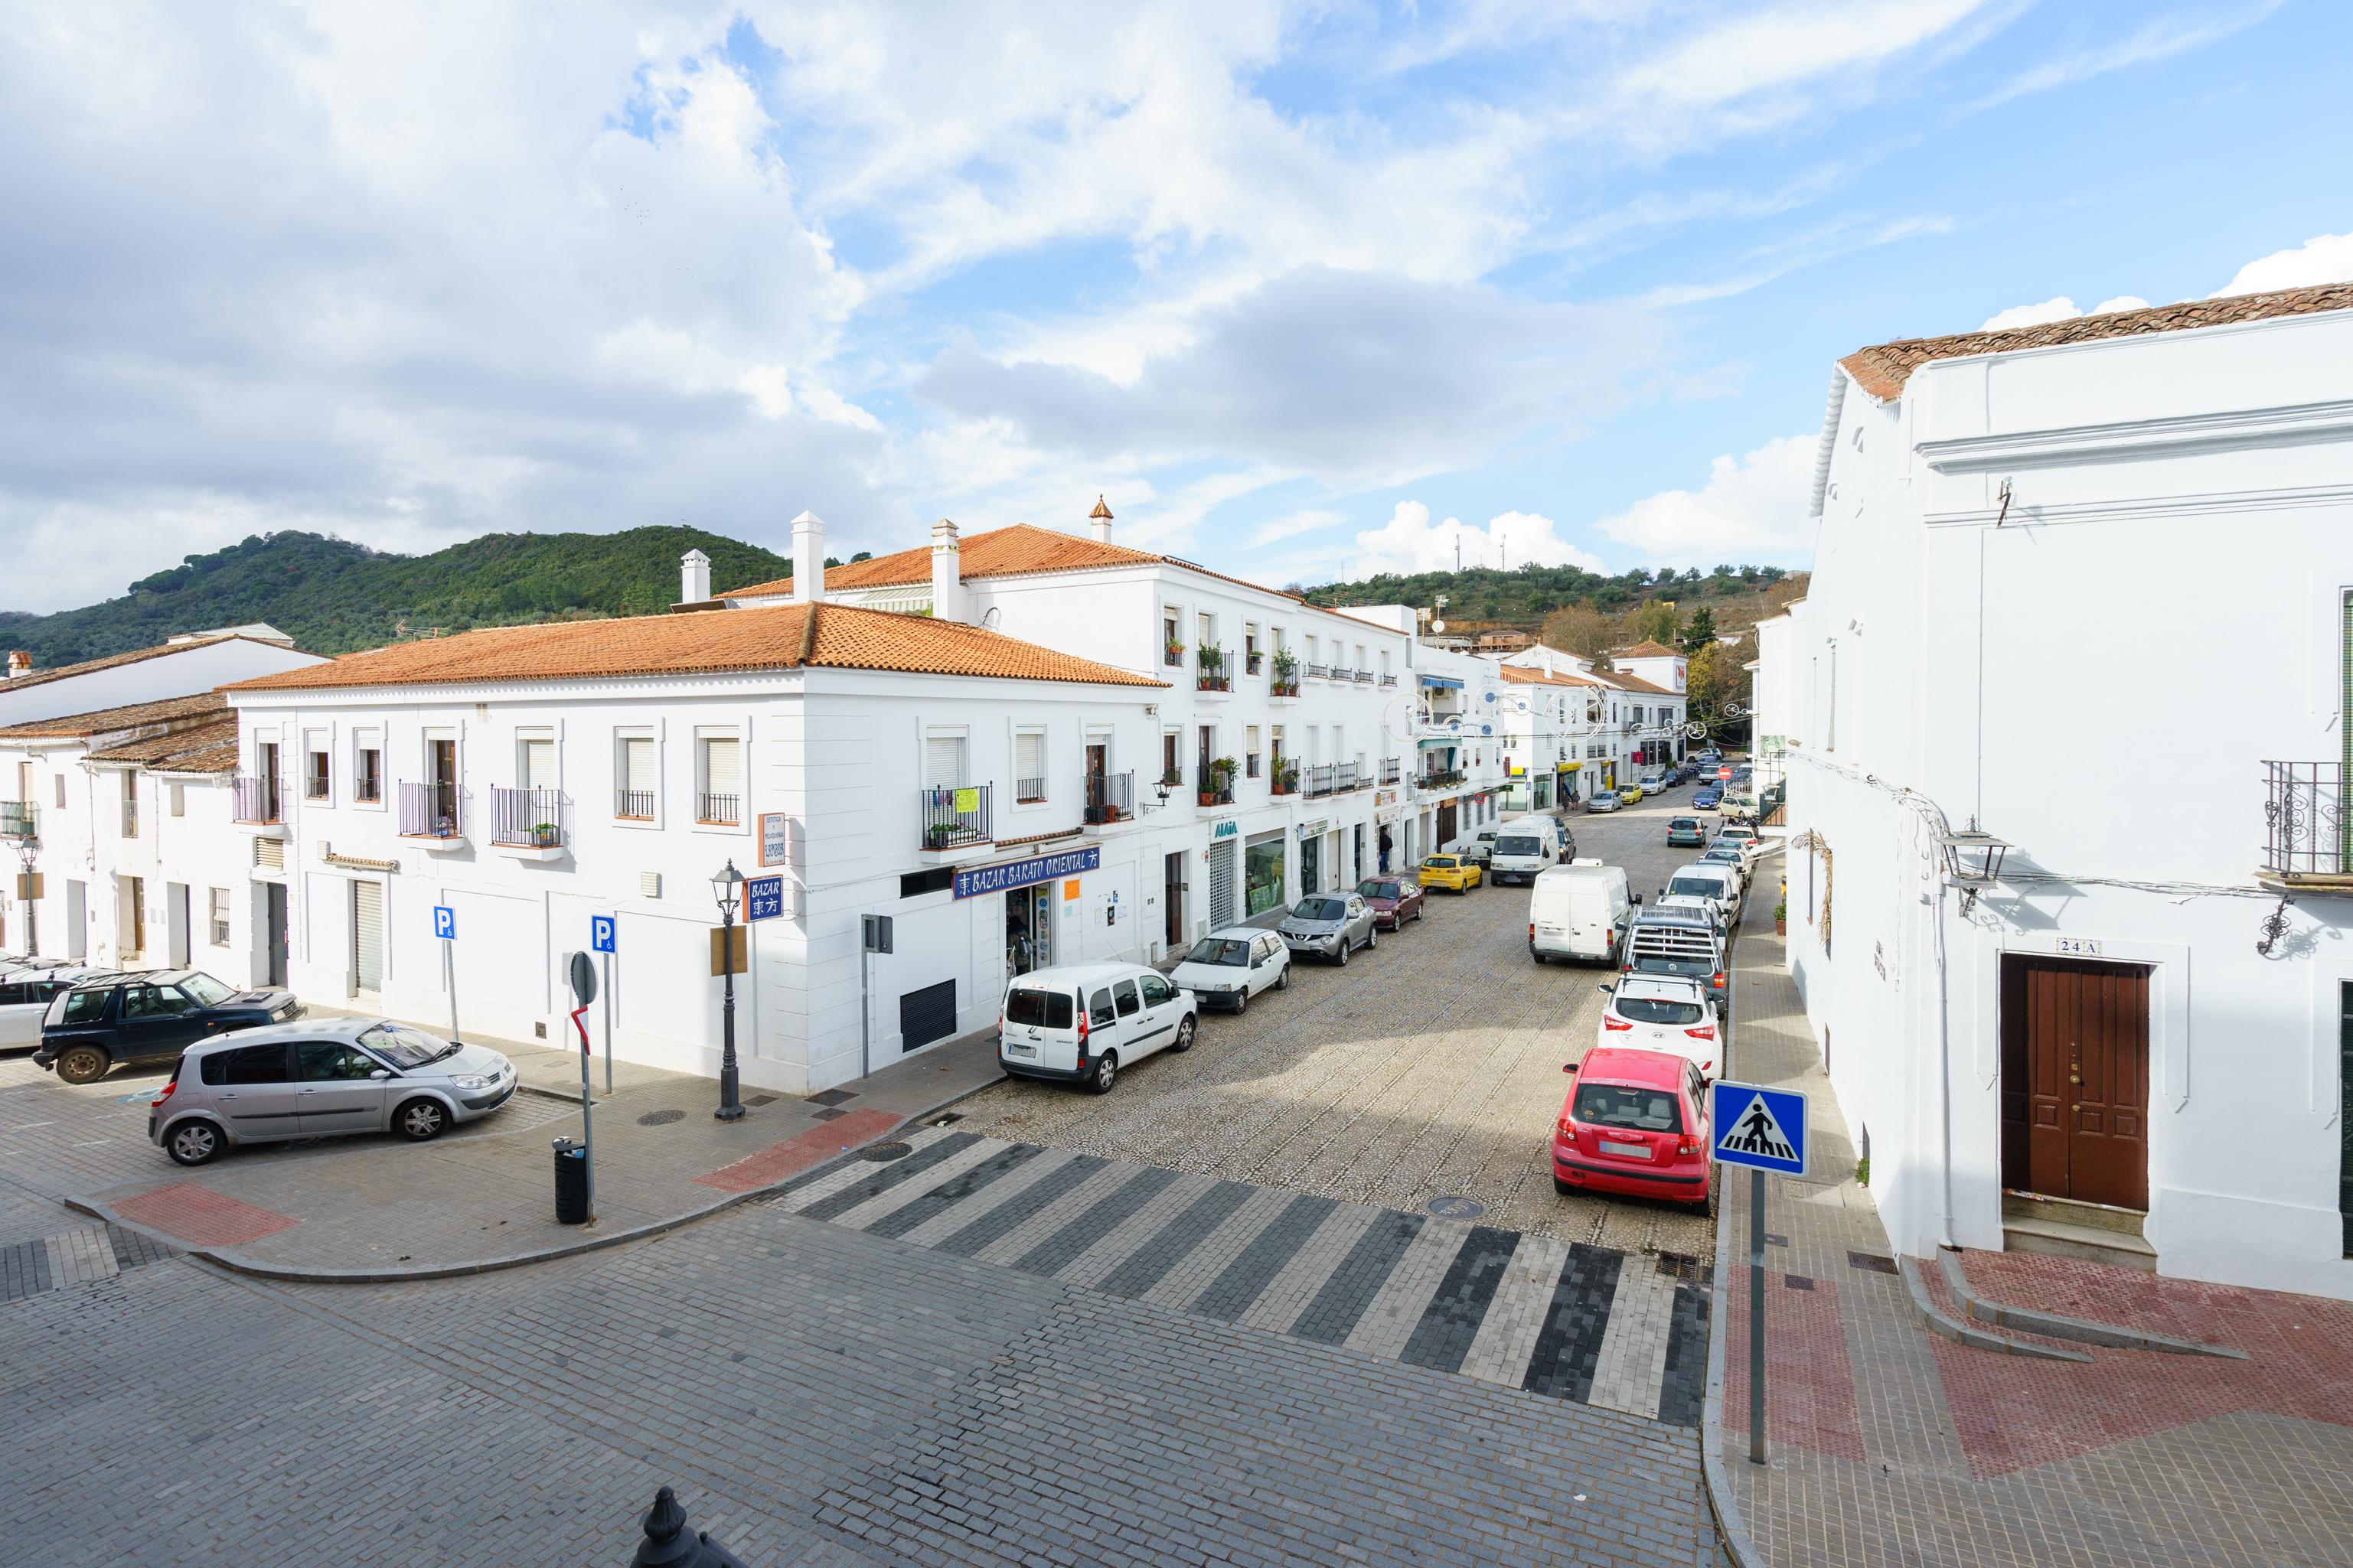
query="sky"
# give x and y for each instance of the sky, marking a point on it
(1306, 291)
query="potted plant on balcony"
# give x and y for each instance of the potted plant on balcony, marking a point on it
(1212, 660)
(937, 835)
(1217, 786)
(1285, 682)
(1175, 651)
(1286, 776)
(542, 836)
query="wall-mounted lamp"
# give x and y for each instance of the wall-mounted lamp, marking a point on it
(1973, 857)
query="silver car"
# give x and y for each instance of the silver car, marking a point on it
(319, 1077)
(1331, 924)
(1604, 800)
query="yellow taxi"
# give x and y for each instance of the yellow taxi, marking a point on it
(1628, 794)
(1458, 873)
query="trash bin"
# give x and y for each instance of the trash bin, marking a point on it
(571, 1183)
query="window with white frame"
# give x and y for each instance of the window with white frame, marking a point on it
(718, 764)
(220, 917)
(318, 773)
(179, 798)
(1250, 647)
(1250, 751)
(945, 759)
(1029, 764)
(367, 767)
(638, 774)
(535, 763)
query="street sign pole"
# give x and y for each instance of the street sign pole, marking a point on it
(608, 957)
(1755, 1317)
(583, 976)
(1765, 1129)
(445, 926)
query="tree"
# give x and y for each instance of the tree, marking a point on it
(1579, 629)
(1700, 631)
(1713, 680)
(1655, 622)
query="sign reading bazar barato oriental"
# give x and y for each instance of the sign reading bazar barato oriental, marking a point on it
(1021, 873)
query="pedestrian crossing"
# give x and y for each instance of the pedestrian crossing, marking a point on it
(1625, 1331)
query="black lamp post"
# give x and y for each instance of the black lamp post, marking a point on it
(727, 886)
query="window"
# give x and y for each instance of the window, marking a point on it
(314, 777)
(248, 1065)
(1124, 992)
(1038, 1009)
(1626, 1105)
(61, 792)
(130, 805)
(179, 798)
(1029, 765)
(1155, 990)
(938, 879)
(1100, 1011)
(1250, 751)
(220, 917)
(1250, 647)
(943, 760)
(331, 1061)
(87, 1007)
(721, 797)
(1171, 772)
(367, 783)
(155, 1002)
(639, 773)
(535, 763)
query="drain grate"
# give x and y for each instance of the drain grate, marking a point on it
(1798, 1282)
(1871, 1260)
(950, 1119)
(660, 1118)
(1456, 1208)
(829, 1112)
(834, 1096)
(760, 1100)
(883, 1154)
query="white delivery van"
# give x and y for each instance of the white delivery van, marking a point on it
(1081, 1023)
(1580, 911)
(1525, 847)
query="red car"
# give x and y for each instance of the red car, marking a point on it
(1635, 1124)
(1395, 900)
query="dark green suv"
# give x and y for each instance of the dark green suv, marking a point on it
(148, 1017)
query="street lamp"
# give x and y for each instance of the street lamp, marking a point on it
(727, 886)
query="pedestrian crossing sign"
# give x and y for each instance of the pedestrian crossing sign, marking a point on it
(1762, 1128)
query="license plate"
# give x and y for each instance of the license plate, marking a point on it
(1013, 1048)
(1631, 1150)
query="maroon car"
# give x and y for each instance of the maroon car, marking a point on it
(1395, 900)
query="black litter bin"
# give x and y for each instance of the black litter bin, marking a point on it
(571, 1183)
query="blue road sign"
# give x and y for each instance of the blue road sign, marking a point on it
(763, 898)
(1764, 1129)
(445, 923)
(600, 933)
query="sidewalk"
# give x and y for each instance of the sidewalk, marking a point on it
(1888, 1443)
(482, 1196)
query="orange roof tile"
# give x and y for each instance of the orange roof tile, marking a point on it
(1636, 683)
(1882, 369)
(1649, 651)
(781, 637)
(1525, 675)
(107, 721)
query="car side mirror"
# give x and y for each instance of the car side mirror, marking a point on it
(1605, 990)
(1568, 1067)
(380, 1075)
(1638, 897)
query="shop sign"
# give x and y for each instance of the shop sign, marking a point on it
(1221, 831)
(1310, 829)
(1024, 873)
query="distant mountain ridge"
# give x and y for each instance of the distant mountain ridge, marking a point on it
(332, 595)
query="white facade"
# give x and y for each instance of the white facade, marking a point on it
(2133, 538)
(179, 669)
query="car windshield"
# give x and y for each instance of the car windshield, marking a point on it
(1626, 1105)
(1657, 1009)
(1438, 863)
(1378, 889)
(1038, 1009)
(406, 1047)
(1695, 887)
(1319, 909)
(1231, 951)
(1518, 847)
(208, 992)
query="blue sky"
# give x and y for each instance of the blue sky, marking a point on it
(1306, 290)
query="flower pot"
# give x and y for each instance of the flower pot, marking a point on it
(1780, 928)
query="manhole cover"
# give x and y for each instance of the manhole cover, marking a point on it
(883, 1154)
(1456, 1208)
(760, 1100)
(660, 1118)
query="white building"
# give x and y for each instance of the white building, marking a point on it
(2131, 1039)
(198, 661)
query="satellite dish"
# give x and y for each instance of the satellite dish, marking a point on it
(1437, 625)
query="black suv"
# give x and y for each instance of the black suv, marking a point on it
(147, 1018)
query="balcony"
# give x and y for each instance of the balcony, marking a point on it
(1282, 687)
(1388, 680)
(952, 818)
(1110, 797)
(1319, 672)
(1174, 655)
(1323, 778)
(256, 802)
(1392, 772)
(527, 824)
(1213, 678)
(1363, 677)
(634, 804)
(1286, 777)
(1439, 778)
(2307, 837)
(19, 819)
(315, 786)
(1215, 793)
(718, 810)
(429, 812)
(1252, 662)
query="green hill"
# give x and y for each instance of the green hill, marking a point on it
(333, 596)
(1525, 596)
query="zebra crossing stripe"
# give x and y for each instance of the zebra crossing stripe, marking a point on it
(883, 1204)
(1141, 1268)
(1095, 1221)
(1332, 1316)
(885, 1177)
(1507, 1336)
(1570, 1340)
(1633, 1358)
(947, 1194)
(1451, 1322)
(1248, 1275)
(987, 1230)
(1392, 1315)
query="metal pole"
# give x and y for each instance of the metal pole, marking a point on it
(587, 1115)
(731, 1108)
(609, 1021)
(1755, 1317)
(865, 1027)
(449, 979)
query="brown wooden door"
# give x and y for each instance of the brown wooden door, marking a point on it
(2075, 1079)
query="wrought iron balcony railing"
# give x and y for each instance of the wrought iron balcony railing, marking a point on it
(429, 810)
(1111, 797)
(953, 817)
(1392, 771)
(634, 804)
(19, 819)
(1319, 672)
(527, 818)
(2307, 833)
(255, 799)
(724, 809)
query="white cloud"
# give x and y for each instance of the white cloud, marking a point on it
(1410, 542)
(2121, 302)
(1753, 508)
(2324, 259)
(2061, 309)
(1293, 526)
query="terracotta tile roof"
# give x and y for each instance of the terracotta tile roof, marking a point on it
(108, 720)
(115, 660)
(1882, 369)
(1626, 682)
(1519, 674)
(1649, 651)
(205, 749)
(782, 637)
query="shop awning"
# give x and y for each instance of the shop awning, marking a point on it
(1441, 681)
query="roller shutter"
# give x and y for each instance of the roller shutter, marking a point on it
(368, 936)
(1221, 885)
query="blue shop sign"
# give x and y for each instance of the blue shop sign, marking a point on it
(1023, 873)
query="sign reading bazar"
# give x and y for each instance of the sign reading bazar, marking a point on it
(1023, 873)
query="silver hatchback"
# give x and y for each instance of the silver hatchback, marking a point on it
(320, 1078)
(1332, 924)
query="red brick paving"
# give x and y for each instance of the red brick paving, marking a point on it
(1808, 1380)
(2012, 1412)
(203, 1217)
(799, 1152)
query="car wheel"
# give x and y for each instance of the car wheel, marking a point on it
(1282, 981)
(1419, 911)
(83, 1064)
(420, 1120)
(1183, 1040)
(1372, 938)
(1563, 1188)
(1241, 1003)
(1341, 957)
(193, 1143)
(1106, 1073)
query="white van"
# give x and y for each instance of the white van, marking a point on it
(1525, 847)
(1580, 911)
(1081, 1023)
(1703, 885)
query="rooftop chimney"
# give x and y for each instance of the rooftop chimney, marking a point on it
(1099, 521)
(809, 558)
(693, 577)
(947, 572)
(20, 664)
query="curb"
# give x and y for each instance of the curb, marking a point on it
(1730, 1526)
(1937, 1321)
(2052, 1325)
(225, 1259)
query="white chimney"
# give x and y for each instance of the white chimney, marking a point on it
(947, 572)
(1099, 521)
(809, 558)
(20, 664)
(693, 577)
